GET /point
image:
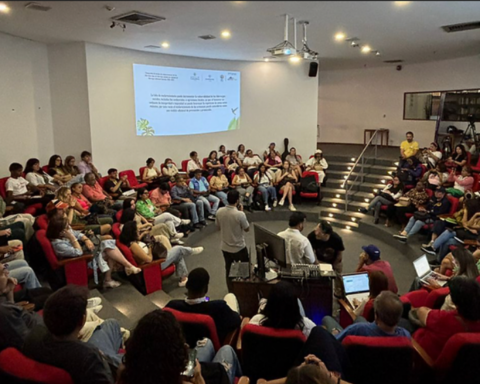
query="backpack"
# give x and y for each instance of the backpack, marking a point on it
(309, 184)
(257, 202)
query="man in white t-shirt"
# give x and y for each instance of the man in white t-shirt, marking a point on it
(251, 162)
(195, 164)
(299, 250)
(20, 190)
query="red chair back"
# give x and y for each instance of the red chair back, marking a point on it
(310, 195)
(47, 248)
(453, 204)
(436, 298)
(196, 327)
(476, 181)
(393, 358)
(116, 230)
(102, 181)
(126, 251)
(16, 365)
(42, 222)
(469, 158)
(184, 165)
(119, 214)
(429, 192)
(424, 169)
(45, 168)
(204, 162)
(269, 353)
(132, 179)
(140, 172)
(3, 189)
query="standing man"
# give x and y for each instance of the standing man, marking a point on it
(408, 148)
(299, 250)
(232, 223)
(86, 166)
(369, 261)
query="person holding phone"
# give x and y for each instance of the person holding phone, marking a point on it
(243, 184)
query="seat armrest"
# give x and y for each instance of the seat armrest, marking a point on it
(276, 381)
(151, 264)
(421, 352)
(346, 306)
(63, 262)
(245, 321)
(445, 216)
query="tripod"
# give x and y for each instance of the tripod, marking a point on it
(471, 134)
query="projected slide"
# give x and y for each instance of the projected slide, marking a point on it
(180, 101)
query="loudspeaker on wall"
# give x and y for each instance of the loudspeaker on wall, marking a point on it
(313, 69)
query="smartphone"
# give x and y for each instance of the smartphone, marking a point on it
(190, 368)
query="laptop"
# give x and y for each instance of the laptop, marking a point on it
(356, 286)
(424, 272)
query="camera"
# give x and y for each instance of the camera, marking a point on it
(471, 118)
(468, 195)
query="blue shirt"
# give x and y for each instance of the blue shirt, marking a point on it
(200, 185)
(369, 329)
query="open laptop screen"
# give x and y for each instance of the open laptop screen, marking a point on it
(356, 283)
(421, 266)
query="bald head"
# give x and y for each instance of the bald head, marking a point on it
(388, 308)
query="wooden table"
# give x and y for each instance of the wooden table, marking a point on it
(383, 133)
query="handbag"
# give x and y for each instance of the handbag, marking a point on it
(159, 251)
(403, 202)
(386, 196)
(421, 215)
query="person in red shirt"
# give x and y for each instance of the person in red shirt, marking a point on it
(370, 261)
(438, 326)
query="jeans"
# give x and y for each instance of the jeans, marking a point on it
(243, 191)
(413, 226)
(20, 270)
(330, 323)
(205, 201)
(222, 196)
(230, 257)
(268, 190)
(442, 243)
(176, 256)
(107, 337)
(377, 203)
(117, 205)
(225, 356)
(192, 211)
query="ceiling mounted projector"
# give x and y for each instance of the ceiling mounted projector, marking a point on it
(285, 48)
(306, 53)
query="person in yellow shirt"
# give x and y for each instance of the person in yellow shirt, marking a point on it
(408, 148)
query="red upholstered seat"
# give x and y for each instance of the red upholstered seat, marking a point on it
(17, 366)
(150, 279)
(204, 162)
(268, 352)
(393, 357)
(119, 214)
(433, 299)
(310, 195)
(31, 209)
(184, 165)
(102, 181)
(140, 172)
(116, 230)
(42, 221)
(132, 179)
(45, 168)
(196, 327)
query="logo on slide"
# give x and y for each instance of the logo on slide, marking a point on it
(195, 77)
(209, 78)
(222, 78)
(143, 127)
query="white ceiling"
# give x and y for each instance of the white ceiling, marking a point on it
(411, 32)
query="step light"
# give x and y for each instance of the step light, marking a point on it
(396, 163)
(349, 168)
(337, 196)
(353, 159)
(334, 205)
(348, 227)
(375, 190)
(345, 177)
(354, 219)
(383, 181)
(389, 172)
(367, 200)
(330, 215)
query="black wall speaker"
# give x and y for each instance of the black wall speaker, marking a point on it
(312, 72)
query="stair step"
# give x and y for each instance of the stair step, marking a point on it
(346, 159)
(328, 202)
(342, 215)
(333, 192)
(341, 166)
(381, 169)
(342, 223)
(366, 187)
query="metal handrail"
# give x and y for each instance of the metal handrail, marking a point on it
(361, 169)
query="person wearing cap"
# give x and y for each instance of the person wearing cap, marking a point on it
(438, 205)
(271, 148)
(369, 261)
(318, 164)
(225, 313)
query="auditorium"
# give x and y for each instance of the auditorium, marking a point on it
(239, 192)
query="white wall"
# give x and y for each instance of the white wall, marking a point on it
(350, 101)
(25, 109)
(278, 101)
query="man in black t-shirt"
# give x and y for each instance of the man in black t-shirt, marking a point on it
(327, 245)
(115, 186)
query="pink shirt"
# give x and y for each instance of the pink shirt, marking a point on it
(384, 266)
(95, 192)
(84, 203)
(158, 198)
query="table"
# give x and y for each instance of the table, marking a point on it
(316, 295)
(383, 133)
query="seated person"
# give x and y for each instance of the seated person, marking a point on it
(244, 185)
(271, 148)
(436, 177)
(66, 244)
(232, 163)
(223, 312)
(82, 204)
(462, 183)
(295, 161)
(183, 197)
(18, 272)
(287, 180)
(164, 361)
(313, 370)
(86, 166)
(95, 193)
(169, 169)
(145, 253)
(414, 199)
(70, 166)
(21, 191)
(14, 231)
(151, 175)
(388, 196)
(388, 310)
(438, 205)
(251, 162)
(411, 171)
(219, 186)
(241, 151)
(299, 250)
(273, 162)
(408, 149)
(264, 180)
(213, 163)
(115, 186)
(194, 164)
(56, 170)
(431, 156)
(458, 159)
(318, 164)
(58, 344)
(369, 261)
(438, 326)
(222, 153)
(283, 310)
(322, 238)
(377, 283)
(161, 198)
(201, 190)
(38, 178)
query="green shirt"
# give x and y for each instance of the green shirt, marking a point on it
(146, 208)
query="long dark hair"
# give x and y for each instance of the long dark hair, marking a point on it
(30, 164)
(127, 203)
(129, 233)
(210, 155)
(127, 215)
(466, 263)
(155, 353)
(282, 309)
(260, 173)
(465, 295)
(239, 146)
(464, 153)
(71, 170)
(55, 227)
(51, 161)
(377, 282)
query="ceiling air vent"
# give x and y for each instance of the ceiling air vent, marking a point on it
(37, 7)
(461, 27)
(152, 47)
(393, 61)
(207, 37)
(137, 18)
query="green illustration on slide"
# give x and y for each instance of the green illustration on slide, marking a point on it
(233, 124)
(143, 126)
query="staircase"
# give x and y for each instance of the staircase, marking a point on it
(376, 173)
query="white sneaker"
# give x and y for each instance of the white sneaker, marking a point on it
(275, 202)
(281, 202)
(97, 309)
(177, 242)
(111, 284)
(185, 222)
(178, 236)
(93, 302)
(292, 208)
(267, 208)
(183, 283)
(197, 250)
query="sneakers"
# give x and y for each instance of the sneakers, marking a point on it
(183, 283)
(292, 208)
(275, 202)
(198, 226)
(281, 202)
(93, 302)
(363, 210)
(429, 250)
(111, 284)
(96, 309)
(177, 242)
(267, 208)
(185, 222)
(401, 238)
(197, 250)
(211, 217)
(178, 236)
(428, 244)
(203, 223)
(132, 270)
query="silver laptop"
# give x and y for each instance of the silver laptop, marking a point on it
(356, 286)
(424, 272)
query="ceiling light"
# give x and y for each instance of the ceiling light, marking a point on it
(226, 34)
(165, 44)
(401, 3)
(4, 8)
(366, 49)
(340, 36)
(266, 59)
(377, 53)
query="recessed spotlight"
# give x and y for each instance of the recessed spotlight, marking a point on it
(367, 200)
(165, 44)
(294, 59)
(226, 34)
(383, 181)
(334, 205)
(375, 190)
(366, 49)
(377, 53)
(354, 219)
(340, 36)
(266, 59)
(4, 8)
